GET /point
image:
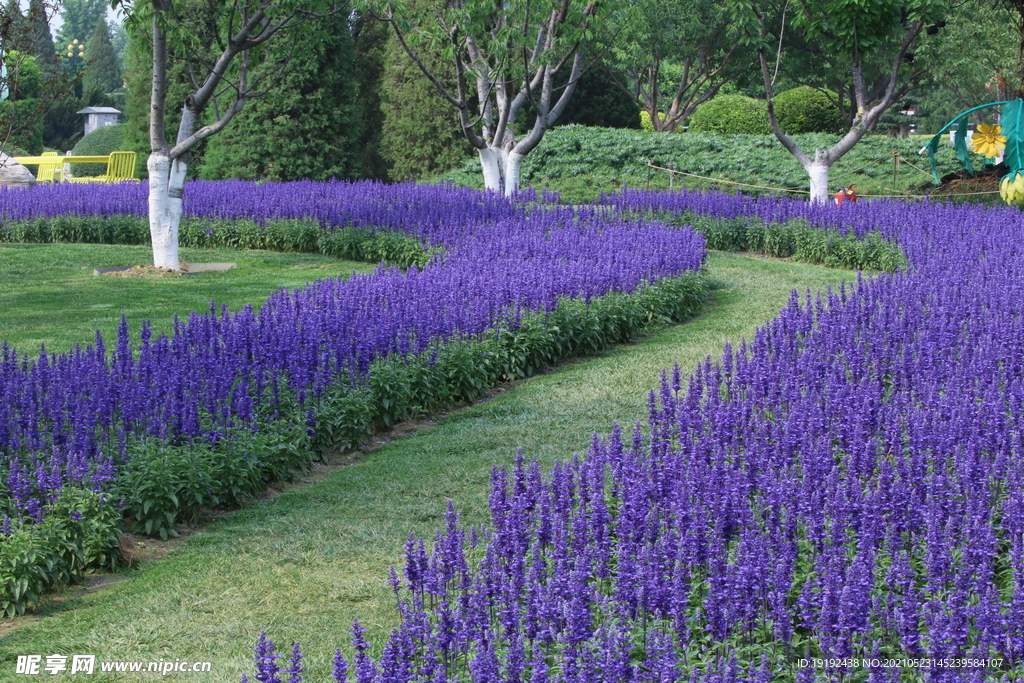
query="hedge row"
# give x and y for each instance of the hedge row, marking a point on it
(282, 235)
(795, 239)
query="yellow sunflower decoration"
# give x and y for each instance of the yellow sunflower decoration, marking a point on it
(987, 140)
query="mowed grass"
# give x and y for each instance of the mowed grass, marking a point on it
(303, 565)
(49, 295)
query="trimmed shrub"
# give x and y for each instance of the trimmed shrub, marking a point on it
(733, 114)
(806, 110)
(101, 141)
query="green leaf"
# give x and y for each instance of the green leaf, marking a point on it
(960, 146)
(1012, 121)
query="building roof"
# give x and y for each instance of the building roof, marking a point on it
(98, 110)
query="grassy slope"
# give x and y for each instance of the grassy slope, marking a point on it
(303, 565)
(582, 162)
(49, 295)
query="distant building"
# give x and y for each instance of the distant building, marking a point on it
(97, 117)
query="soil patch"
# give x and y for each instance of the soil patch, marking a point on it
(143, 271)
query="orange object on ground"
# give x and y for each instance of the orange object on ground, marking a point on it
(846, 195)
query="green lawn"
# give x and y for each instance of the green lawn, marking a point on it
(48, 293)
(304, 564)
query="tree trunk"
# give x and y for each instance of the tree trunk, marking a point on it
(513, 162)
(817, 171)
(491, 163)
(166, 185)
(501, 169)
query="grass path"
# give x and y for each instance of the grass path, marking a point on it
(304, 564)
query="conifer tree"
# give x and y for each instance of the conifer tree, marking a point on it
(17, 26)
(79, 19)
(102, 73)
(42, 40)
(421, 133)
(307, 126)
(371, 37)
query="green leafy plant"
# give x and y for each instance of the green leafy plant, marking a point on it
(809, 110)
(99, 142)
(79, 534)
(731, 114)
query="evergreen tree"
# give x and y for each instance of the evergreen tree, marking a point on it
(597, 102)
(119, 39)
(371, 36)
(307, 125)
(42, 40)
(422, 136)
(102, 73)
(80, 18)
(14, 36)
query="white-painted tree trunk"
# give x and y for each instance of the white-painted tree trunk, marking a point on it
(501, 169)
(817, 171)
(166, 186)
(513, 163)
(490, 161)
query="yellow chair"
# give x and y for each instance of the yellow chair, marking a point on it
(120, 169)
(50, 173)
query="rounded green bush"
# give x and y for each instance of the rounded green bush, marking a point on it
(806, 110)
(734, 114)
(100, 142)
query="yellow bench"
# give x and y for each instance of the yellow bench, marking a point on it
(50, 172)
(120, 166)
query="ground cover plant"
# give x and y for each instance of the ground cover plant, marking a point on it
(580, 163)
(846, 486)
(171, 424)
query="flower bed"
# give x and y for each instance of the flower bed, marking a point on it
(848, 487)
(230, 400)
(777, 226)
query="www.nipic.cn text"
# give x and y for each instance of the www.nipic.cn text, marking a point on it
(87, 664)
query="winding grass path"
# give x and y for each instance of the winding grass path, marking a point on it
(305, 563)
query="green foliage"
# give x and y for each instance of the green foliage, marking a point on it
(100, 142)
(63, 126)
(661, 48)
(596, 101)
(282, 235)
(39, 34)
(808, 110)
(23, 119)
(371, 36)
(79, 19)
(304, 127)
(24, 78)
(798, 240)
(852, 27)
(78, 535)
(102, 72)
(21, 113)
(421, 133)
(647, 125)
(163, 484)
(731, 114)
(580, 163)
(964, 58)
